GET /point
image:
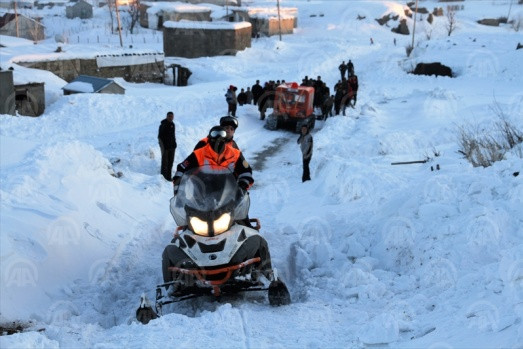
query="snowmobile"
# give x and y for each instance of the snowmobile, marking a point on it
(216, 249)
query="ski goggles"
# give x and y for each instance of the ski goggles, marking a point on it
(229, 121)
(217, 133)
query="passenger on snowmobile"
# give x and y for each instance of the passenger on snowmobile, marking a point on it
(230, 124)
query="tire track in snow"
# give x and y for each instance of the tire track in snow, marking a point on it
(261, 157)
(245, 330)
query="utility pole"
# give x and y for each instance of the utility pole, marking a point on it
(414, 26)
(509, 8)
(16, 19)
(279, 17)
(118, 21)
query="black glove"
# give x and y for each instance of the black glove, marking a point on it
(175, 189)
(243, 186)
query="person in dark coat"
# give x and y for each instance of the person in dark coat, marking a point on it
(343, 69)
(305, 141)
(266, 100)
(353, 83)
(167, 142)
(249, 95)
(257, 91)
(338, 97)
(350, 68)
(232, 101)
(327, 107)
(242, 97)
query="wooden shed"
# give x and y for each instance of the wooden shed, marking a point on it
(30, 98)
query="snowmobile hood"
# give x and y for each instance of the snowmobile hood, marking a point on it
(208, 192)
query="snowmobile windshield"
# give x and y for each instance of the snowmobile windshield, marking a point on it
(206, 193)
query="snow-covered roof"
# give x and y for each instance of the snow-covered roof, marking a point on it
(125, 56)
(56, 2)
(8, 17)
(86, 84)
(269, 12)
(12, 41)
(79, 86)
(218, 25)
(188, 8)
(178, 7)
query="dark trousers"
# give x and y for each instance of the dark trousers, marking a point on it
(306, 172)
(232, 109)
(167, 163)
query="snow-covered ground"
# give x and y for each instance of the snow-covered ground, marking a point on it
(373, 254)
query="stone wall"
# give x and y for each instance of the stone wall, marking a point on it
(69, 69)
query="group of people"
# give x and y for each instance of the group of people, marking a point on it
(220, 149)
(345, 94)
(346, 89)
(263, 96)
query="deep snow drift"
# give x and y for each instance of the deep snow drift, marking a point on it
(372, 253)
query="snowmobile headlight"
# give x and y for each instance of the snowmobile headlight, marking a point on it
(199, 227)
(222, 224)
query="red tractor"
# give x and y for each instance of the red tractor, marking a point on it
(292, 107)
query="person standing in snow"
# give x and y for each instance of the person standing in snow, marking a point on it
(350, 68)
(305, 141)
(242, 97)
(232, 102)
(343, 69)
(353, 84)
(249, 95)
(167, 142)
(257, 91)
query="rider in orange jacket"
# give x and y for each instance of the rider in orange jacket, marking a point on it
(217, 152)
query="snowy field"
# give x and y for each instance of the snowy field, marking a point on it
(374, 255)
